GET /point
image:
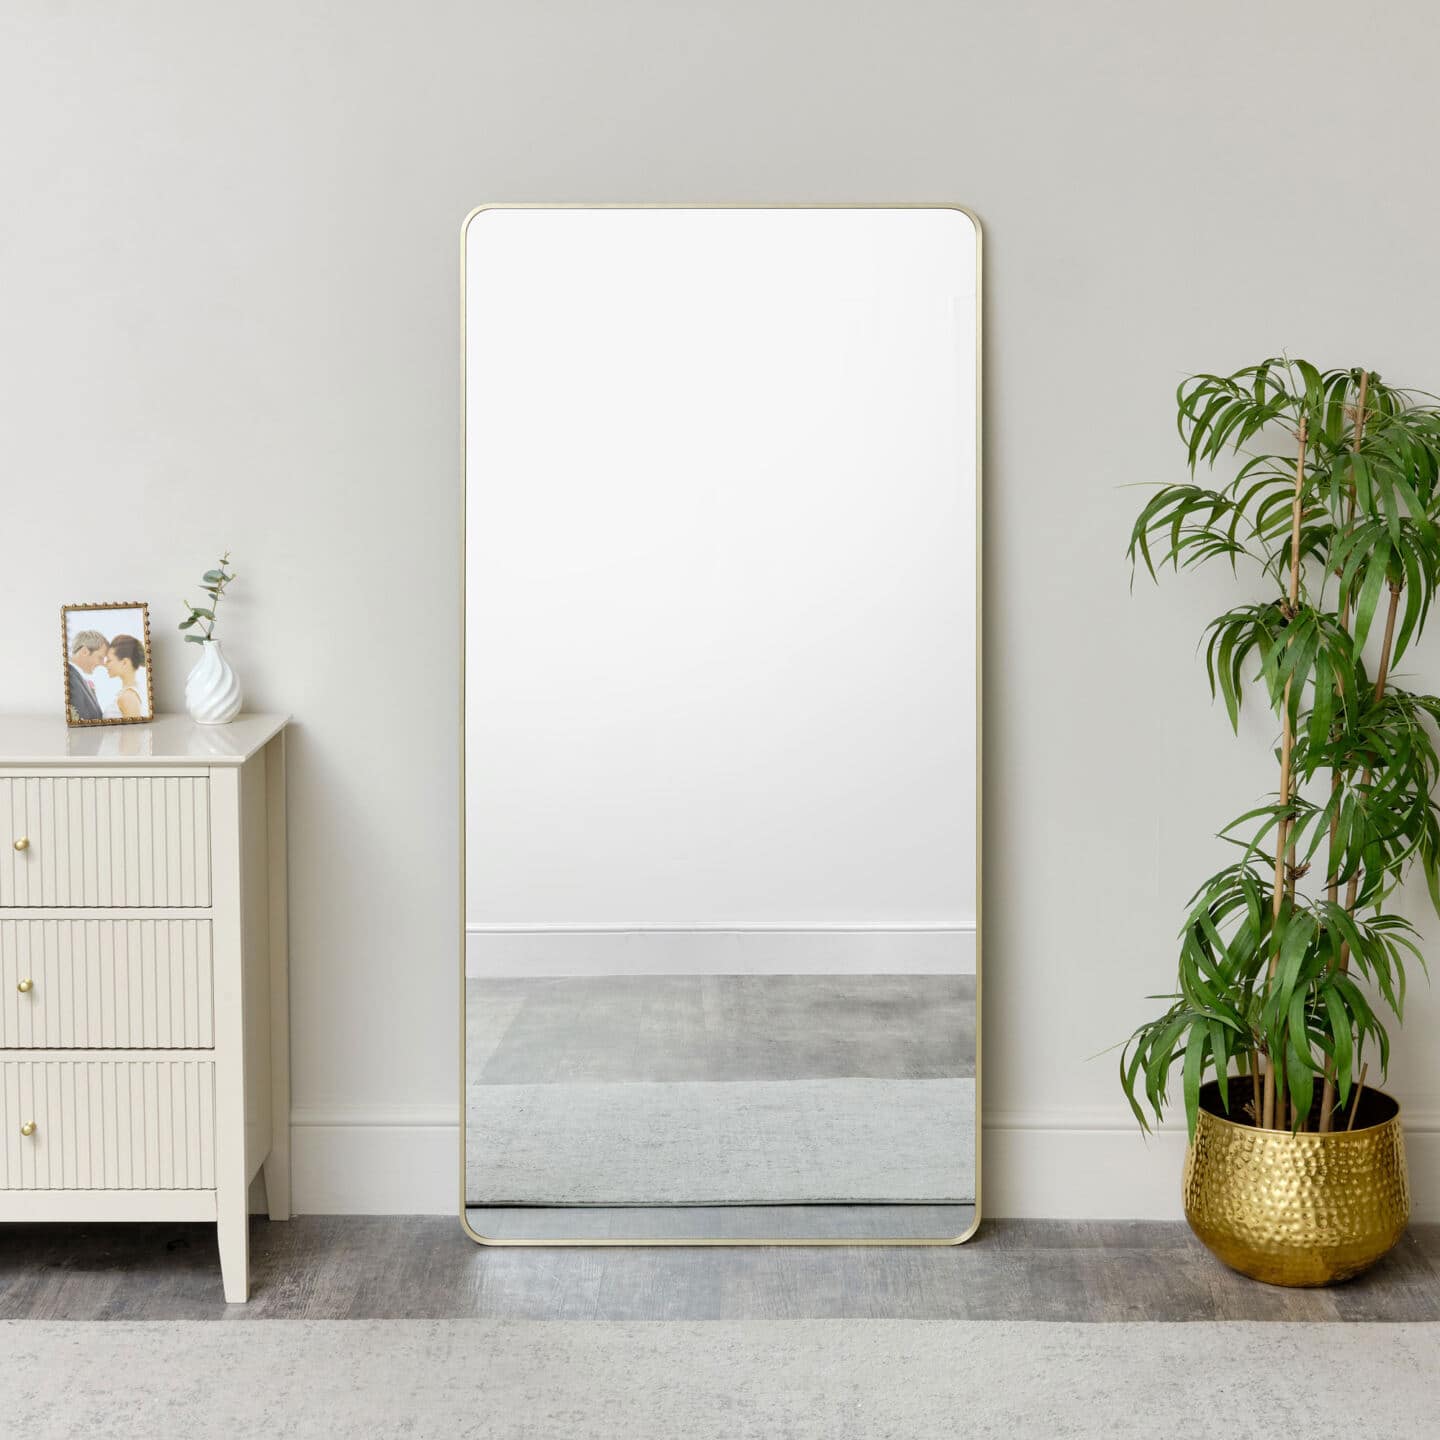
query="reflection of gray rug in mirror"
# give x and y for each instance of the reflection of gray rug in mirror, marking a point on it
(851, 1141)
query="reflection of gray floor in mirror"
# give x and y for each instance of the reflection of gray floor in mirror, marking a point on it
(720, 1027)
(722, 1091)
(723, 1222)
(728, 1142)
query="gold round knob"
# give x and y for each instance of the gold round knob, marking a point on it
(26, 986)
(28, 1128)
(23, 843)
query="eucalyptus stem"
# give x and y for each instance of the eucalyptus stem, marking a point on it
(213, 583)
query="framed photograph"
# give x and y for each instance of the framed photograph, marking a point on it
(108, 676)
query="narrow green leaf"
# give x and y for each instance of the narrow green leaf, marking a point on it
(1195, 1048)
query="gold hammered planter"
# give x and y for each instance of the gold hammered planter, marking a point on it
(1304, 1209)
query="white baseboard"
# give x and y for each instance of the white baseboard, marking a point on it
(493, 951)
(364, 1161)
(375, 1161)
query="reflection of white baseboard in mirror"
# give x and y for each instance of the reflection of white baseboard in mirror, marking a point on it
(493, 951)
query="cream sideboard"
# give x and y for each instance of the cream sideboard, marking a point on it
(144, 974)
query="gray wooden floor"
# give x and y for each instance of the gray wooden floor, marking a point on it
(355, 1267)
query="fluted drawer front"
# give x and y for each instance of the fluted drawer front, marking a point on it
(106, 985)
(105, 1124)
(131, 840)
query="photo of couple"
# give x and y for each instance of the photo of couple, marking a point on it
(107, 664)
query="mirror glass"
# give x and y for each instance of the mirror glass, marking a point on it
(721, 824)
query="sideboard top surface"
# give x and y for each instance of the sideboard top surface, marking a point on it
(165, 740)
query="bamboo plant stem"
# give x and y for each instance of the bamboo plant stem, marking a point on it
(1352, 890)
(1287, 744)
(1332, 879)
(1337, 775)
(1382, 675)
(1357, 435)
(1355, 1103)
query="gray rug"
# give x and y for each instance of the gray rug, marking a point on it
(774, 1380)
(721, 1143)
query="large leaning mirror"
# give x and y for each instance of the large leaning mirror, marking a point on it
(721, 703)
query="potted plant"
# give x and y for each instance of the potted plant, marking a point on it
(1292, 955)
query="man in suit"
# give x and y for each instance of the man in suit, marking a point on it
(87, 650)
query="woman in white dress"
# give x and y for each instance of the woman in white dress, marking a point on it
(125, 660)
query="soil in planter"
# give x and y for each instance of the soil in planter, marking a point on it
(1374, 1108)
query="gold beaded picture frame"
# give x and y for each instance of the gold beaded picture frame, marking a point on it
(107, 663)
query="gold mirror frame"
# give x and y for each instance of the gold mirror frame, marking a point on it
(627, 1243)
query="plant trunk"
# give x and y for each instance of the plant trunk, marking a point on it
(1287, 744)
(1332, 883)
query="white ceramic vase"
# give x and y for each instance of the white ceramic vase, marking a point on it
(212, 693)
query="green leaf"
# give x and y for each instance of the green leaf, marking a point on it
(1194, 1064)
(1342, 1046)
(1300, 1078)
(1220, 1054)
(1129, 1069)
(1375, 576)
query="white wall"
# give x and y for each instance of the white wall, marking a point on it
(229, 251)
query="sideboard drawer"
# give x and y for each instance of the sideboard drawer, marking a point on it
(107, 1124)
(106, 985)
(131, 840)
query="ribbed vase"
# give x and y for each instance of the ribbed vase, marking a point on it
(212, 693)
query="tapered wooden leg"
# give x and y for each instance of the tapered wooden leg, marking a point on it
(233, 1231)
(232, 1178)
